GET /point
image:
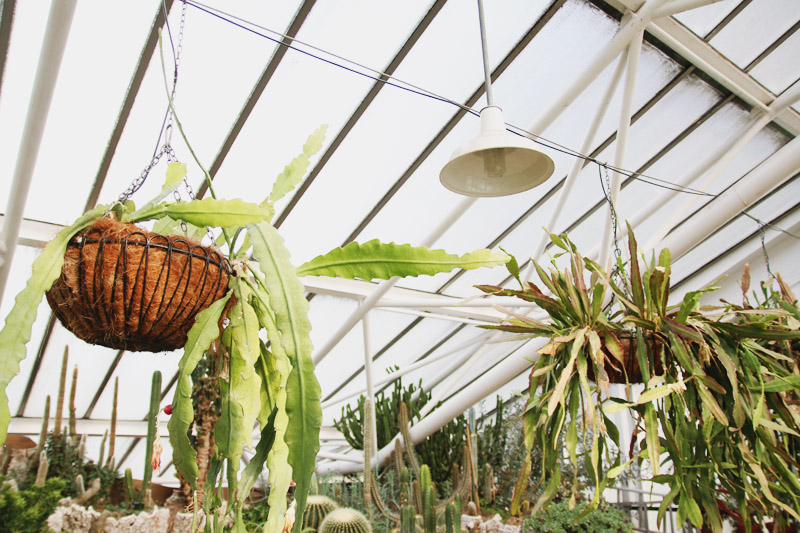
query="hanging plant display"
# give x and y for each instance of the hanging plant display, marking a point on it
(715, 415)
(114, 284)
(130, 289)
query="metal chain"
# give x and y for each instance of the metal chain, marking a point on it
(615, 270)
(166, 148)
(763, 231)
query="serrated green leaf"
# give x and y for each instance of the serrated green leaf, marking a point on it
(294, 172)
(557, 396)
(651, 436)
(290, 307)
(377, 260)
(17, 329)
(521, 484)
(690, 509)
(256, 465)
(240, 405)
(513, 267)
(176, 171)
(200, 337)
(219, 213)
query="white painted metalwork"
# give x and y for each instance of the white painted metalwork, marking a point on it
(58, 26)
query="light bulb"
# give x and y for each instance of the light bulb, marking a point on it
(494, 162)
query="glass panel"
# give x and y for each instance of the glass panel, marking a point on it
(413, 345)
(704, 19)
(18, 276)
(82, 97)
(779, 69)
(212, 49)
(771, 208)
(357, 177)
(754, 29)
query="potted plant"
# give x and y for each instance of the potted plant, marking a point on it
(717, 414)
(245, 287)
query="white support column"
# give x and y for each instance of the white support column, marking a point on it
(408, 369)
(55, 40)
(493, 379)
(788, 98)
(779, 167)
(442, 391)
(677, 6)
(577, 164)
(623, 130)
(627, 32)
(381, 290)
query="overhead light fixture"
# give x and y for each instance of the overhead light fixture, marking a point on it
(496, 162)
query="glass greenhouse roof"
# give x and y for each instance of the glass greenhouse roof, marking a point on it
(713, 103)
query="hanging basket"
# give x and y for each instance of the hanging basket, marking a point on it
(130, 289)
(617, 372)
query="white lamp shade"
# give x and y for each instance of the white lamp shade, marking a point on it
(496, 162)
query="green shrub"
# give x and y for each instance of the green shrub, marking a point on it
(557, 518)
(25, 511)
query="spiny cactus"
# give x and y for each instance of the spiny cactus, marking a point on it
(345, 520)
(155, 399)
(73, 432)
(317, 507)
(452, 519)
(41, 472)
(113, 433)
(61, 387)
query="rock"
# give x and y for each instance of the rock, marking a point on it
(77, 519)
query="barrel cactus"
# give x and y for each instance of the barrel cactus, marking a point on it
(345, 520)
(317, 507)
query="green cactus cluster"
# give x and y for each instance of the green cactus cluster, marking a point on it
(317, 508)
(345, 520)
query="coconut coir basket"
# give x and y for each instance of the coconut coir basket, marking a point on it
(628, 371)
(127, 288)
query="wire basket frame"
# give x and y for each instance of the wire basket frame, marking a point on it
(126, 288)
(631, 373)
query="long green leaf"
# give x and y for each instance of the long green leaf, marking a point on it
(17, 330)
(220, 213)
(202, 334)
(241, 403)
(377, 260)
(256, 464)
(294, 171)
(287, 301)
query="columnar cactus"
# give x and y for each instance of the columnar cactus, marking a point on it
(317, 507)
(345, 520)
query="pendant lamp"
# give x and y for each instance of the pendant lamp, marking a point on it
(496, 162)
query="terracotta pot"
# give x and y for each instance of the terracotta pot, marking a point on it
(126, 288)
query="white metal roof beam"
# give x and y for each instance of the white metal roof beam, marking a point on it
(701, 54)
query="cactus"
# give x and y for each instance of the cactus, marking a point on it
(429, 511)
(34, 459)
(317, 507)
(102, 448)
(451, 518)
(345, 520)
(61, 386)
(526, 507)
(41, 471)
(371, 492)
(72, 416)
(113, 433)
(129, 485)
(155, 400)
